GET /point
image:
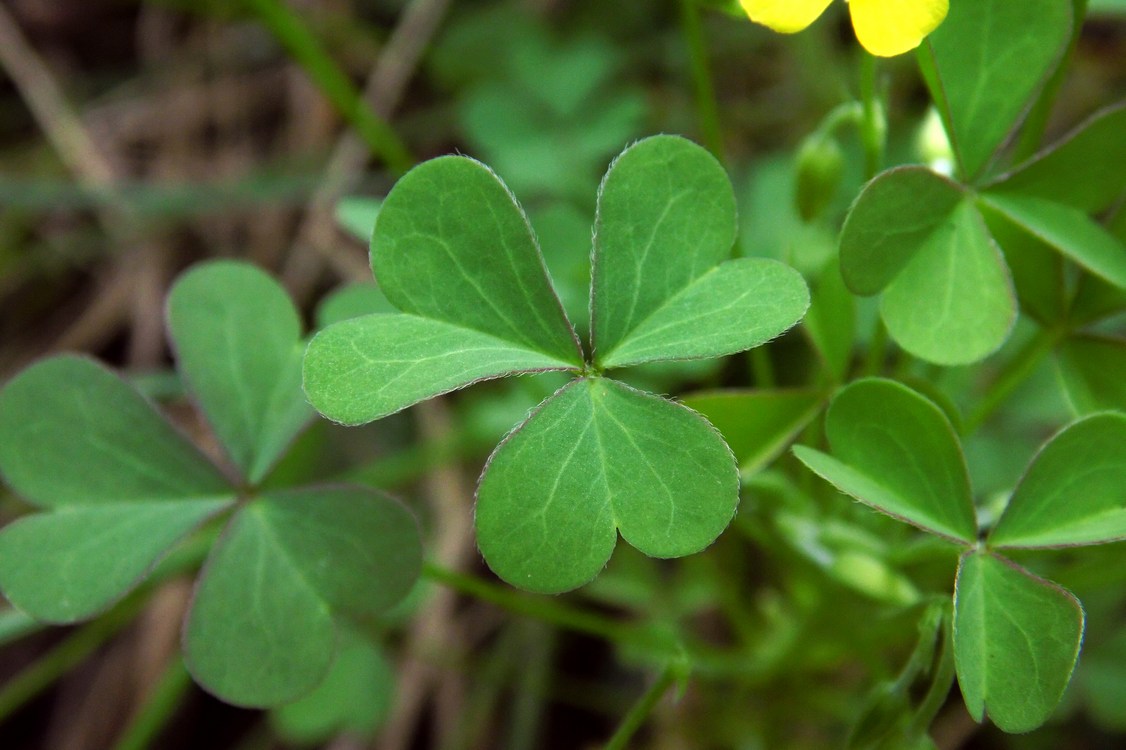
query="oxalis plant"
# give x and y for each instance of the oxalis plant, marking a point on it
(289, 566)
(454, 252)
(1016, 636)
(988, 261)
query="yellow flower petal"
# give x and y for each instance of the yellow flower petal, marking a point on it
(892, 27)
(786, 16)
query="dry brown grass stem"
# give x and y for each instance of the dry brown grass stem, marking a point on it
(318, 241)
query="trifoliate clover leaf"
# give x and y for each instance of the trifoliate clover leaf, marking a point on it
(920, 240)
(122, 487)
(454, 252)
(1016, 636)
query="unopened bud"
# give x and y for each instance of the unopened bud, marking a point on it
(820, 164)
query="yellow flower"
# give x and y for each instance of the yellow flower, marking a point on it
(885, 27)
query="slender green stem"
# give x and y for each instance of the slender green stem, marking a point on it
(290, 30)
(1014, 373)
(641, 710)
(547, 610)
(161, 704)
(939, 688)
(707, 110)
(877, 348)
(532, 683)
(762, 368)
(873, 129)
(55, 663)
(845, 114)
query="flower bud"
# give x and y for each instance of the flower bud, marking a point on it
(820, 164)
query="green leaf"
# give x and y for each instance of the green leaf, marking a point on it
(896, 451)
(15, 624)
(596, 457)
(1095, 300)
(984, 65)
(1093, 371)
(666, 216)
(1083, 170)
(757, 425)
(354, 698)
(954, 303)
(351, 301)
(831, 321)
(261, 629)
(238, 344)
(452, 244)
(368, 367)
(1037, 267)
(73, 563)
(1068, 230)
(1016, 641)
(357, 215)
(898, 213)
(735, 306)
(1108, 7)
(548, 114)
(1074, 491)
(920, 239)
(73, 433)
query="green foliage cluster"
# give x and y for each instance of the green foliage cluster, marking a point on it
(121, 485)
(477, 304)
(1004, 249)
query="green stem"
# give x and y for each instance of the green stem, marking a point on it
(762, 369)
(873, 129)
(939, 688)
(547, 610)
(1015, 372)
(877, 348)
(161, 704)
(641, 710)
(532, 683)
(707, 110)
(290, 30)
(58, 661)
